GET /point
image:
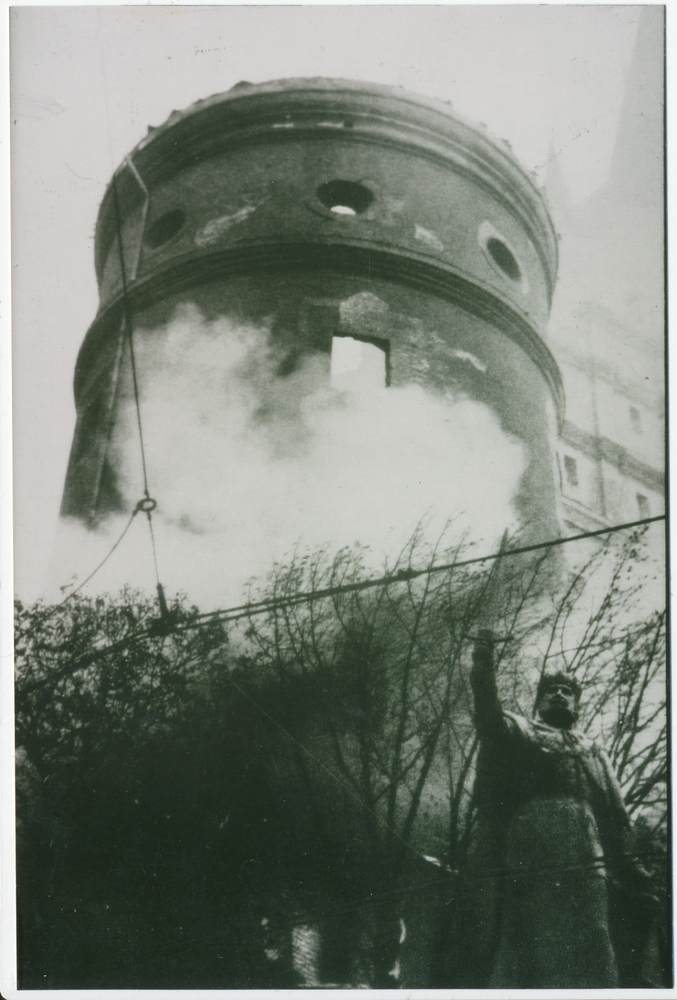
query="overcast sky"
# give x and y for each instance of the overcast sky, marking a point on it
(87, 81)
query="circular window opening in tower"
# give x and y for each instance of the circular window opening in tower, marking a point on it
(504, 257)
(345, 197)
(164, 228)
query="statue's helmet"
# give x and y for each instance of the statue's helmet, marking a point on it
(551, 677)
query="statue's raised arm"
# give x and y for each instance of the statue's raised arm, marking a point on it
(489, 719)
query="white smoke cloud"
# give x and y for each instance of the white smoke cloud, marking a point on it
(245, 465)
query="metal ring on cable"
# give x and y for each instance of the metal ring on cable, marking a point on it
(146, 505)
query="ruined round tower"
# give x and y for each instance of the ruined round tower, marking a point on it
(327, 210)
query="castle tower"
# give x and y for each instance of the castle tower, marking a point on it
(333, 216)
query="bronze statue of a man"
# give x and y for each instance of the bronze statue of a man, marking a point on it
(558, 832)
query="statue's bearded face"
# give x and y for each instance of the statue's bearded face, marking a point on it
(558, 705)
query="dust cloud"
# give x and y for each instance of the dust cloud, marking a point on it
(247, 465)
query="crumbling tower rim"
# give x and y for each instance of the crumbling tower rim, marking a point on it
(284, 110)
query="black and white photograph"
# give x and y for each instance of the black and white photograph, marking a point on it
(340, 583)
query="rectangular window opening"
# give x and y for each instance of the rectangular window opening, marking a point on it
(636, 420)
(643, 505)
(359, 365)
(571, 470)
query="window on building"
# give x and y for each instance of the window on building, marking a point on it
(636, 420)
(358, 364)
(571, 470)
(643, 505)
